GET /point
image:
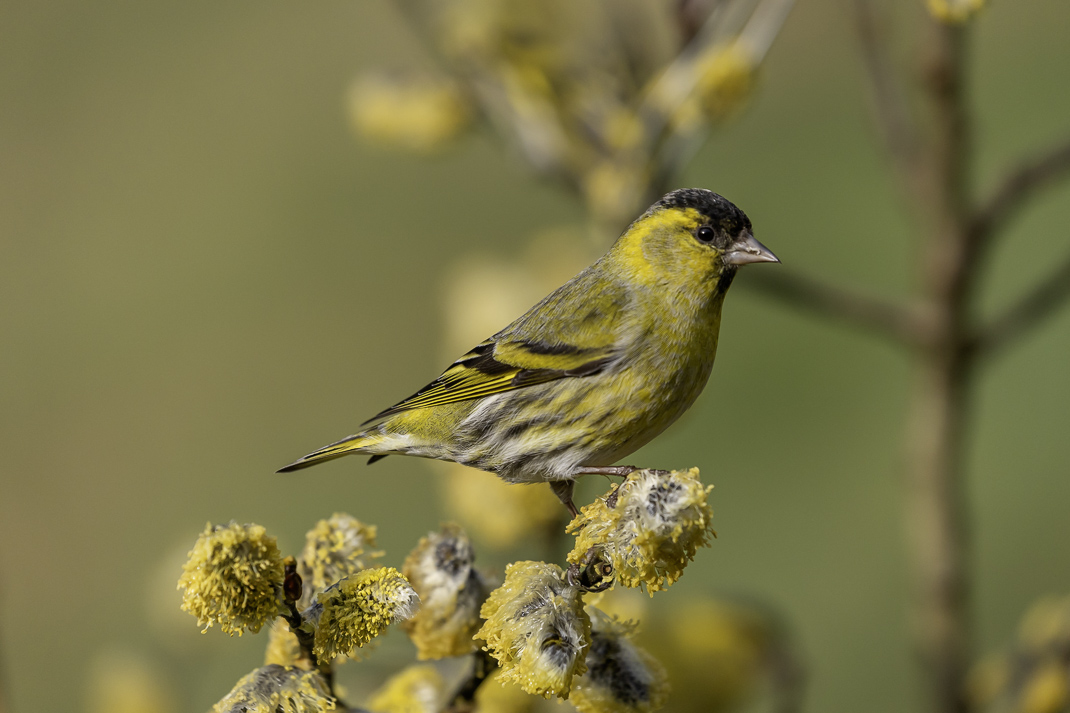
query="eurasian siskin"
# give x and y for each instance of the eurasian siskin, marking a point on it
(592, 372)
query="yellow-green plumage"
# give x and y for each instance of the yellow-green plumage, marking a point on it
(592, 372)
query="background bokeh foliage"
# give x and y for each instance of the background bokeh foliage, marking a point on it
(200, 266)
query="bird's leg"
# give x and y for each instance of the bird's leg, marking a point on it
(563, 490)
(622, 471)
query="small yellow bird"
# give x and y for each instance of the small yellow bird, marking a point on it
(592, 372)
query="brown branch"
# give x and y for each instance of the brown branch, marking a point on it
(305, 640)
(1042, 170)
(690, 16)
(291, 591)
(890, 107)
(937, 521)
(946, 77)
(1029, 312)
(899, 323)
(788, 676)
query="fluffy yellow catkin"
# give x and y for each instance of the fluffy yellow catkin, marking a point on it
(955, 12)
(278, 688)
(415, 113)
(621, 677)
(282, 647)
(1033, 676)
(417, 689)
(451, 594)
(725, 79)
(649, 528)
(232, 578)
(537, 629)
(349, 614)
(335, 548)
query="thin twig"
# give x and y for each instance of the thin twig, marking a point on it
(291, 591)
(1042, 170)
(305, 640)
(890, 106)
(750, 29)
(1028, 313)
(899, 323)
(690, 15)
(948, 157)
(788, 678)
(535, 127)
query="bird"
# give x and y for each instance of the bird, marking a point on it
(591, 373)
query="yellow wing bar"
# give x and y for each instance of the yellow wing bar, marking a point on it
(481, 373)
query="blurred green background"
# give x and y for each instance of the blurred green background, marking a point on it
(204, 274)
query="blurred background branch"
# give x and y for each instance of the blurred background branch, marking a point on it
(1045, 299)
(936, 175)
(901, 324)
(612, 100)
(621, 140)
(900, 135)
(1018, 188)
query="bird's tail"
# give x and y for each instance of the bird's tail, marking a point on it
(365, 442)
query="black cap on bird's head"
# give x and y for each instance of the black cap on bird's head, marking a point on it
(725, 226)
(720, 211)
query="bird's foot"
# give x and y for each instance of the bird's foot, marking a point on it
(611, 499)
(563, 490)
(593, 573)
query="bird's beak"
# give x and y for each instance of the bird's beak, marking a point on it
(748, 250)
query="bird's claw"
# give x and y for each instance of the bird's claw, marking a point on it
(593, 573)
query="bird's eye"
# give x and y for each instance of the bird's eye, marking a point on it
(705, 234)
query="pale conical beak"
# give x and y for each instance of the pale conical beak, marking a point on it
(748, 250)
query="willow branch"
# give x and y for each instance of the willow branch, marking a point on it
(892, 114)
(1044, 300)
(1043, 170)
(901, 324)
(291, 593)
(753, 31)
(535, 128)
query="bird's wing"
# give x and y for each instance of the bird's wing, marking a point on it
(494, 367)
(574, 331)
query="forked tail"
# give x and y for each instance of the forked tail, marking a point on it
(358, 443)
